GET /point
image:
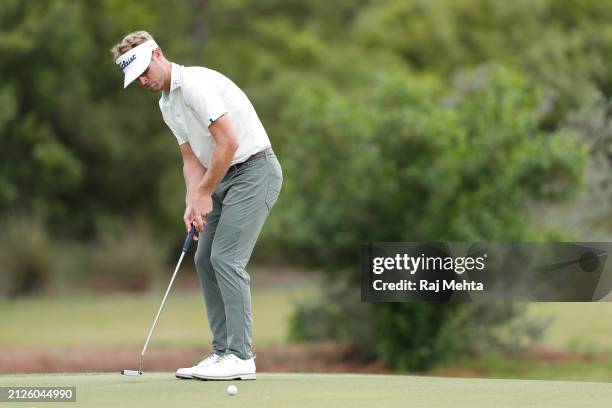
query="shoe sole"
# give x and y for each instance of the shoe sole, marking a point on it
(226, 378)
(184, 376)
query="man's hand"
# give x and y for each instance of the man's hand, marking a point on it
(188, 220)
(198, 207)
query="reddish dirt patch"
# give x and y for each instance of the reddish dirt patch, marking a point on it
(307, 358)
(319, 357)
(558, 356)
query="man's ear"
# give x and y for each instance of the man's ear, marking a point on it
(156, 52)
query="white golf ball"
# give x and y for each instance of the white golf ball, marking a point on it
(232, 390)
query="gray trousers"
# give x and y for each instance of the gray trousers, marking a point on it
(241, 203)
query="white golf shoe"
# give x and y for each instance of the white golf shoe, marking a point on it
(228, 367)
(187, 372)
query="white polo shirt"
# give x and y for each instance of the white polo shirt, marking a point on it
(198, 96)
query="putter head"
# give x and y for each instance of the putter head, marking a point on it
(131, 372)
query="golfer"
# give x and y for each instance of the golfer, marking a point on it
(233, 179)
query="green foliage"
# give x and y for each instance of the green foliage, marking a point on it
(75, 144)
(130, 262)
(326, 317)
(397, 166)
(401, 166)
(413, 335)
(28, 261)
(417, 336)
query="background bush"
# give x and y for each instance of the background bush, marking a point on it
(457, 167)
(28, 259)
(129, 262)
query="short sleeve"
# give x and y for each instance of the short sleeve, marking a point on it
(181, 139)
(205, 102)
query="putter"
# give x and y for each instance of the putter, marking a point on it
(144, 349)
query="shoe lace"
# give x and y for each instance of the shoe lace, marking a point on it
(207, 358)
(224, 357)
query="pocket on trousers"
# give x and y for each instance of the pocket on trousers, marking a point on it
(274, 185)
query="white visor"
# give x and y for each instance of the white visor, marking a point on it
(135, 61)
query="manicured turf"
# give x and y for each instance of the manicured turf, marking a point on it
(78, 319)
(577, 326)
(125, 319)
(320, 390)
(122, 320)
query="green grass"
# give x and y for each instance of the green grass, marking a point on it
(124, 319)
(577, 326)
(77, 319)
(597, 369)
(321, 390)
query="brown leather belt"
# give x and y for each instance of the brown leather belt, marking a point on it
(251, 157)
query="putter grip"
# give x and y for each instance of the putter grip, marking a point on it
(189, 238)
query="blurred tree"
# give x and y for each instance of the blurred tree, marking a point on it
(75, 144)
(79, 150)
(401, 166)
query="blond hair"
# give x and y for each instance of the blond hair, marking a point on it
(130, 41)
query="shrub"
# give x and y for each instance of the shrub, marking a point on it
(404, 164)
(131, 262)
(414, 335)
(28, 262)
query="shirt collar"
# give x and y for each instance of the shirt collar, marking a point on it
(175, 78)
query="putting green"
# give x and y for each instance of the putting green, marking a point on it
(321, 390)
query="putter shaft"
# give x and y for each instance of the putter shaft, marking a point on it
(188, 240)
(144, 349)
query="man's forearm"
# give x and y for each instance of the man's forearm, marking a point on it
(193, 173)
(220, 163)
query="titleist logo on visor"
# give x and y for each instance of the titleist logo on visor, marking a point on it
(127, 62)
